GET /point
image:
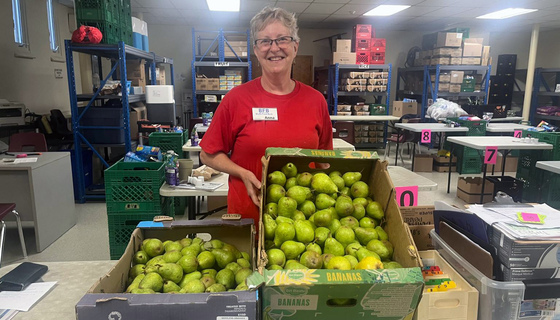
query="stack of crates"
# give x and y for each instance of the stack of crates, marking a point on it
(470, 160)
(111, 17)
(169, 141)
(132, 195)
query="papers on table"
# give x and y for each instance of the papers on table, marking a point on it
(25, 299)
(206, 186)
(25, 160)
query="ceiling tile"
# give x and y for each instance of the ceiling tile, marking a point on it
(446, 11)
(255, 6)
(368, 2)
(308, 1)
(159, 4)
(403, 2)
(322, 8)
(166, 13)
(190, 4)
(308, 17)
(417, 11)
(354, 9)
(438, 3)
(297, 7)
(331, 1)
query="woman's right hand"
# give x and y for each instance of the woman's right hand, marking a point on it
(253, 186)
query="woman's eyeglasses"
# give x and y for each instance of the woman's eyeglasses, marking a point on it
(281, 42)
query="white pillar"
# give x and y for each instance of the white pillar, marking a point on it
(531, 71)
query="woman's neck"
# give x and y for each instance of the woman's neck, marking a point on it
(278, 86)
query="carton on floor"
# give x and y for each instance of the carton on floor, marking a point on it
(105, 299)
(469, 189)
(374, 294)
(420, 220)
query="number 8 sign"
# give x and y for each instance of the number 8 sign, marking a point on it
(426, 136)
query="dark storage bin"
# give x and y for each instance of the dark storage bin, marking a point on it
(510, 185)
(112, 117)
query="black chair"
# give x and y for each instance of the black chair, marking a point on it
(61, 137)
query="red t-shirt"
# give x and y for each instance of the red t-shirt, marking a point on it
(303, 122)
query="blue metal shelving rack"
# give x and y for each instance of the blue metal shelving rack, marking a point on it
(549, 85)
(118, 54)
(206, 59)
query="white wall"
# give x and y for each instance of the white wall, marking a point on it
(32, 81)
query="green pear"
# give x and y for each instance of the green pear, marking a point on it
(208, 280)
(140, 257)
(281, 219)
(231, 248)
(274, 192)
(389, 247)
(362, 201)
(304, 179)
(359, 189)
(345, 191)
(142, 291)
(275, 257)
(334, 195)
(308, 208)
(359, 211)
(286, 206)
(209, 272)
(351, 177)
(205, 260)
(242, 274)
(216, 287)
(345, 235)
(298, 193)
(381, 248)
(352, 248)
(193, 286)
(298, 215)
(321, 234)
(334, 213)
(290, 170)
(381, 233)
(283, 233)
(173, 246)
(326, 258)
(172, 256)
(374, 210)
(276, 177)
(242, 287)
(134, 284)
(392, 265)
(136, 270)
(234, 267)
(333, 247)
(323, 218)
(338, 181)
(271, 209)
(192, 250)
(291, 182)
(269, 226)
(324, 201)
(350, 222)
(188, 263)
(170, 286)
(323, 184)
(292, 249)
(197, 241)
(185, 242)
(311, 259)
(344, 206)
(153, 247)
(314, 247)
(152, 281)
(365, 235)
(226, 277)
(244, 263)
(189, 277)
(304, 232)
(364, 252)
(353, 260)
(223, 257)
(275, 267)
(294, 265)
(335, 173)
(213, 244)
(155, 261)
(339, 263)
(367, 222)
(333, 227)
(245, 255)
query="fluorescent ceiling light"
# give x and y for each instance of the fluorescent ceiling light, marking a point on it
(223, 5)
(506, 13)
(385, 10)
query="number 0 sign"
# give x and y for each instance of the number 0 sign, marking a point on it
(407, 196)
(491, 155)
(426, 136)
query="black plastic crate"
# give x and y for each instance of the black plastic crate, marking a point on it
(510, 185)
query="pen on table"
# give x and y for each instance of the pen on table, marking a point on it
(23, 154)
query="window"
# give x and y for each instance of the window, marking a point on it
(51, 21)
(20, 23)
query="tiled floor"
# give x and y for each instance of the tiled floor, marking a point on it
(89, 240)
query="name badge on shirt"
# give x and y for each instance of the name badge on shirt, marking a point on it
(265, 114)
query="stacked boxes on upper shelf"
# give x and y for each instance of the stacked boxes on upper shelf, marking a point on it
(363, 48)
(369, 133)
(113, 18)
(364, 81)
(239, 48)
(452, 48)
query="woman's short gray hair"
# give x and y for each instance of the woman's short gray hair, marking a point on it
(269, 15)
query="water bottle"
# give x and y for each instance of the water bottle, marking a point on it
(171, 168)
(194, 138)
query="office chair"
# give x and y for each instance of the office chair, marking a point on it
(6, 208)
(19, 141)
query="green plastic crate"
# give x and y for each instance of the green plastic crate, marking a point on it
(550, 188)
(97, 10)
(134, 181)
(469, 165)
(111, 32)
(168, 141)
(119, 207)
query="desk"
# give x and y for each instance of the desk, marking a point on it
(506, 144)
(168, 191)
(552, 166)
(506, 127)
(338, 144)
(43, 194)
(200, 128)
(188, 147)
(403, 177)
(74, 278)
(507, 119)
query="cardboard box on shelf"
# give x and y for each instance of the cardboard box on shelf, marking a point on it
(443, 77)
(136, 113)
(110, 287)
(442, 61)
(471, 61)
(443, 87)
(472, 49)
(455, 61)
(457, 77)
(138, 82)
(343, 45)
(474, 40)
(454, 88)
(344, 57)
(423, 163)
(470, 188)
(450, 52)
(400, 108)
(485, 56)
(135, 69)
(449, 39)
(383, 293)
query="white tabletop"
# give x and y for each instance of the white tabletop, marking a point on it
(403, 177)
(552, 166)
(507, 119)
(434, 127)
(338, 144)
(506, 127)
(43, 159)
(168, 191)
(508, 143)
(200, 127)
(365, 118)
(187, 146)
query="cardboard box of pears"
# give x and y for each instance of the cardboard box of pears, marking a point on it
(319, 253)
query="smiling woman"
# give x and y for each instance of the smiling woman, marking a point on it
(271, 111)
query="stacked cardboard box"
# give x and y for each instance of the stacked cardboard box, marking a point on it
(368, 133)
(451, 48)
(135, 72)
(343, 53)
(203, 83)
(420, 220)
(400, 108)
(239, 48)
(441, 164)
(369, 81)
(470, 188)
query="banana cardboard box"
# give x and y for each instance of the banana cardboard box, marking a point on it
(368, 293)
(106, 300)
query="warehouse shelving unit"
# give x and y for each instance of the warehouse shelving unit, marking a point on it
(430, 90)
(334, 92)
(546, 79)
(211, 57)
(118, 54)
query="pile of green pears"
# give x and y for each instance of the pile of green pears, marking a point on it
(320, 221)
(188, 266)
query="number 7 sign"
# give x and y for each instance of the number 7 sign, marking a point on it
(491, 155)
